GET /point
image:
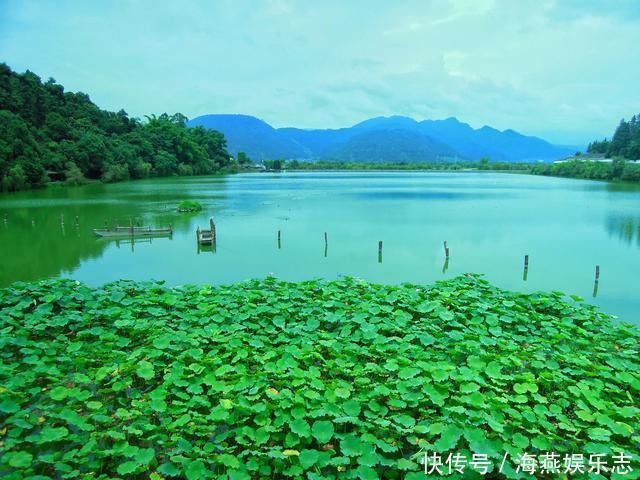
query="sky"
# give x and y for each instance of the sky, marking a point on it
(564, 70)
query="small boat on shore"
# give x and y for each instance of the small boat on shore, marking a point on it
(133, 232)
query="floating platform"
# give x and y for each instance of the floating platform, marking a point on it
(123, 232)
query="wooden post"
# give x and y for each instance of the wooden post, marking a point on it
(597, 273)
(326, 244)
(279, 244)
(379, 251)
(445, 267)
(525, 273)
(446, 249)
(213, 228)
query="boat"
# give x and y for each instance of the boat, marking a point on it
(123, 232)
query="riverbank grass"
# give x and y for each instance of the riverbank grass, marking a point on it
(318, 380)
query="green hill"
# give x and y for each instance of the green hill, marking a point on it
(49, 134)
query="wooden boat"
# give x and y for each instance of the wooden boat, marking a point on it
(123, 232)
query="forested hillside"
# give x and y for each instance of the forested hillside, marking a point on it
(624, 143)
(49, 134)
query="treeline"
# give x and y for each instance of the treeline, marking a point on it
(483, 164)
(624, 143)
(618, 169)
(49, 134)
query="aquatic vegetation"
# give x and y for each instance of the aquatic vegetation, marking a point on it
(318, 380)
(189, 206)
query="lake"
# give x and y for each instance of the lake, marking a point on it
(490, 221)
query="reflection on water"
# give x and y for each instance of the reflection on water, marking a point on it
(624, 227)
(49, 233)
(280, 224)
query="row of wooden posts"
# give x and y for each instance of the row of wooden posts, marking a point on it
(209, 237)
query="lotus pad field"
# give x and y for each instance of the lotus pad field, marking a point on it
(318, 380)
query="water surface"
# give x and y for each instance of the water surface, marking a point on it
(489, 220)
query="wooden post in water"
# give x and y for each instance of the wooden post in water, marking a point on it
(198, 239)
(279, 244)
(446, 249)
(379, 251)
(596, 282)
(525, 275)
(213, 229)
(445, 267)
(326, 244)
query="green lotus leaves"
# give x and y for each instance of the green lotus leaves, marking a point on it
(145, 370)
(322, 431)
(319, 379)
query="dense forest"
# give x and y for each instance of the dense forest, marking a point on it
(624, 143)
(49, 134)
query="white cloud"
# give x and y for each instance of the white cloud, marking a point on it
(566, 70)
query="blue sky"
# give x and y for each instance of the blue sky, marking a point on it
(566, 70)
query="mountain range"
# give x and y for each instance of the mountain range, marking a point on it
(380, 139)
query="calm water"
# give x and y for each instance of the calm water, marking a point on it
(489, 220)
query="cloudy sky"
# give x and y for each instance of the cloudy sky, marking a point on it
(566, 70)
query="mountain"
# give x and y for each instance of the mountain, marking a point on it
(398, 145)
(251, 135)
(380, 139)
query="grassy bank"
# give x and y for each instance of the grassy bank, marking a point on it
(319, 380)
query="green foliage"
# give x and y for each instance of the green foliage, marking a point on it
(618, 169)
(276, 165)
(624, 143)
(48, 133)
(243, 159)
(189, 206)
(483, 164)
(267, 379)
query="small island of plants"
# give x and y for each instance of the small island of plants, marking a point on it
(318, 380)
(189, 206)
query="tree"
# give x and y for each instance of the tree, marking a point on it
(45, 129)
(243, 159)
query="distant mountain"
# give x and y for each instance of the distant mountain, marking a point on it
(381, 139)
(251, 135)
(378, 146)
